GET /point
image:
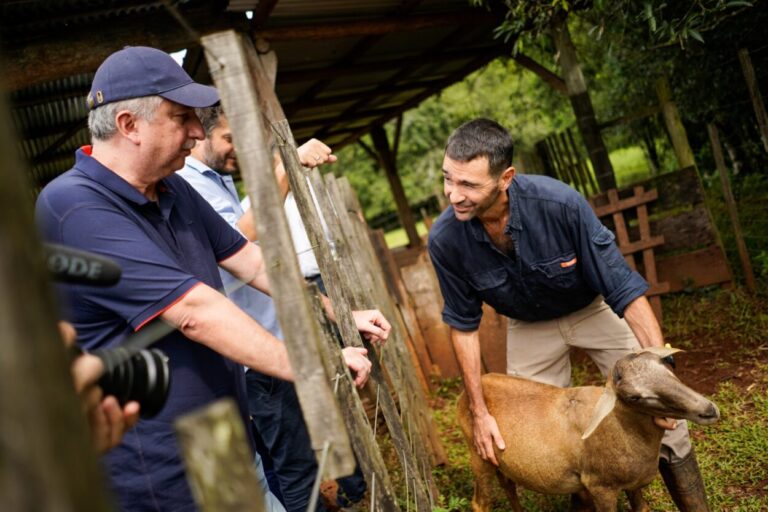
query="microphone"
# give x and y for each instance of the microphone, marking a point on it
(68, 265)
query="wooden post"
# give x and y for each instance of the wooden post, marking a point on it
(388, 160)
(231, 63)
(717, 152)
(346, 294)
(754, 93)
(219, 464)
(392, 273)
(582, 105)
(360, 431)
(394, 353)
(396, 358)
(674, 124)
(340, 290)
(47, 461)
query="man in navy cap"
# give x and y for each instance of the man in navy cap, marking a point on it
(122, 200)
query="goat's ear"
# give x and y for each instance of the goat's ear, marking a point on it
(603, 407)
(662, 352)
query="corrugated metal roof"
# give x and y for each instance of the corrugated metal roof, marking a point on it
(344, 65)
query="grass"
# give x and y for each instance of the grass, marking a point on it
(398, 238)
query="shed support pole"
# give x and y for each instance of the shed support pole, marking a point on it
(582, 106)
(387, 158)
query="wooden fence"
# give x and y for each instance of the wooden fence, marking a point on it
(332, 407)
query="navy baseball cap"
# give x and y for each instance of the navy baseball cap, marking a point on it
(137, 71)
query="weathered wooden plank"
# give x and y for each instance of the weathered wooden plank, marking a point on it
(414, 342)
(232, 73)
(44, 432)
(397, 358)
(678, 189)
(695, 269)
(674, 123)
(361, 435)
(641, 245)
(649, 262)
(754, 93)
(730, 202)
(421, 284)
(626, 204)
(346, 284)
(620, 226)
(219, 463)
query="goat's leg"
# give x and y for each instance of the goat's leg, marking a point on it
(582, 502)
(511, 489)
(636, 501)
(605, 498)
(483, 470)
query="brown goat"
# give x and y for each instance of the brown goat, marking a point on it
(583, 440)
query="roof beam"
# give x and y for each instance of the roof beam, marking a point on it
(338, 70)
(261, 13)
(371, 27)
(449, 80)
(83, 51)
(353, 55)
(365, 94)
(300, 125)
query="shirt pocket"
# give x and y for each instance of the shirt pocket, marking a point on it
(559, 273)
(606, 248)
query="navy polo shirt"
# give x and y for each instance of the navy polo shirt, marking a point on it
(563, 258)
(164, 249)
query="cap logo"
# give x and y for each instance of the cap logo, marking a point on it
(99, 97)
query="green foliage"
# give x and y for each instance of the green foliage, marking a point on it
(501, 91)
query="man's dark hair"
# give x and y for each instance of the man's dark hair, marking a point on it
(209, 118)
(481, 138)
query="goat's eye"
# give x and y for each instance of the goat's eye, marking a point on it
(634, 398)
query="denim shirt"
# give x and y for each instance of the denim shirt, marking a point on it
(563, 259)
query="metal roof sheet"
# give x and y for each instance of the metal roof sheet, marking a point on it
(343, 65)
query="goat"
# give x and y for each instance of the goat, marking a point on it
(583, 440)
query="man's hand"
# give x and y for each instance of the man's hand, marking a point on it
(108, 421)
(358, 363)
(313, 153)
(665, 423)
(372, 325)
(486, 433)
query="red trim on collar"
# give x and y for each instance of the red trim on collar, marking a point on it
(87, 149)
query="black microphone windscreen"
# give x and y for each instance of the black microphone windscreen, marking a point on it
(68, 265)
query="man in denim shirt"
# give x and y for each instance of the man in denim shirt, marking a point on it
(532, 248)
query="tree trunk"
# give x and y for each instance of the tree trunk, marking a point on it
(582, 106)
(387, 159)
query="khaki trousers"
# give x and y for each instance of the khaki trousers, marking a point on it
(540, 351)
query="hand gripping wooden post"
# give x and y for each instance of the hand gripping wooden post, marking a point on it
(396, 357)
(235, 77)
(340, 290)
(348, 284)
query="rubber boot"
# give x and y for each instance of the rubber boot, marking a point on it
(683, 480)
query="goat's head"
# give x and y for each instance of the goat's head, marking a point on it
(645, 383)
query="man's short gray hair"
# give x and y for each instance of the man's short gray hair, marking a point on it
(101, 120)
